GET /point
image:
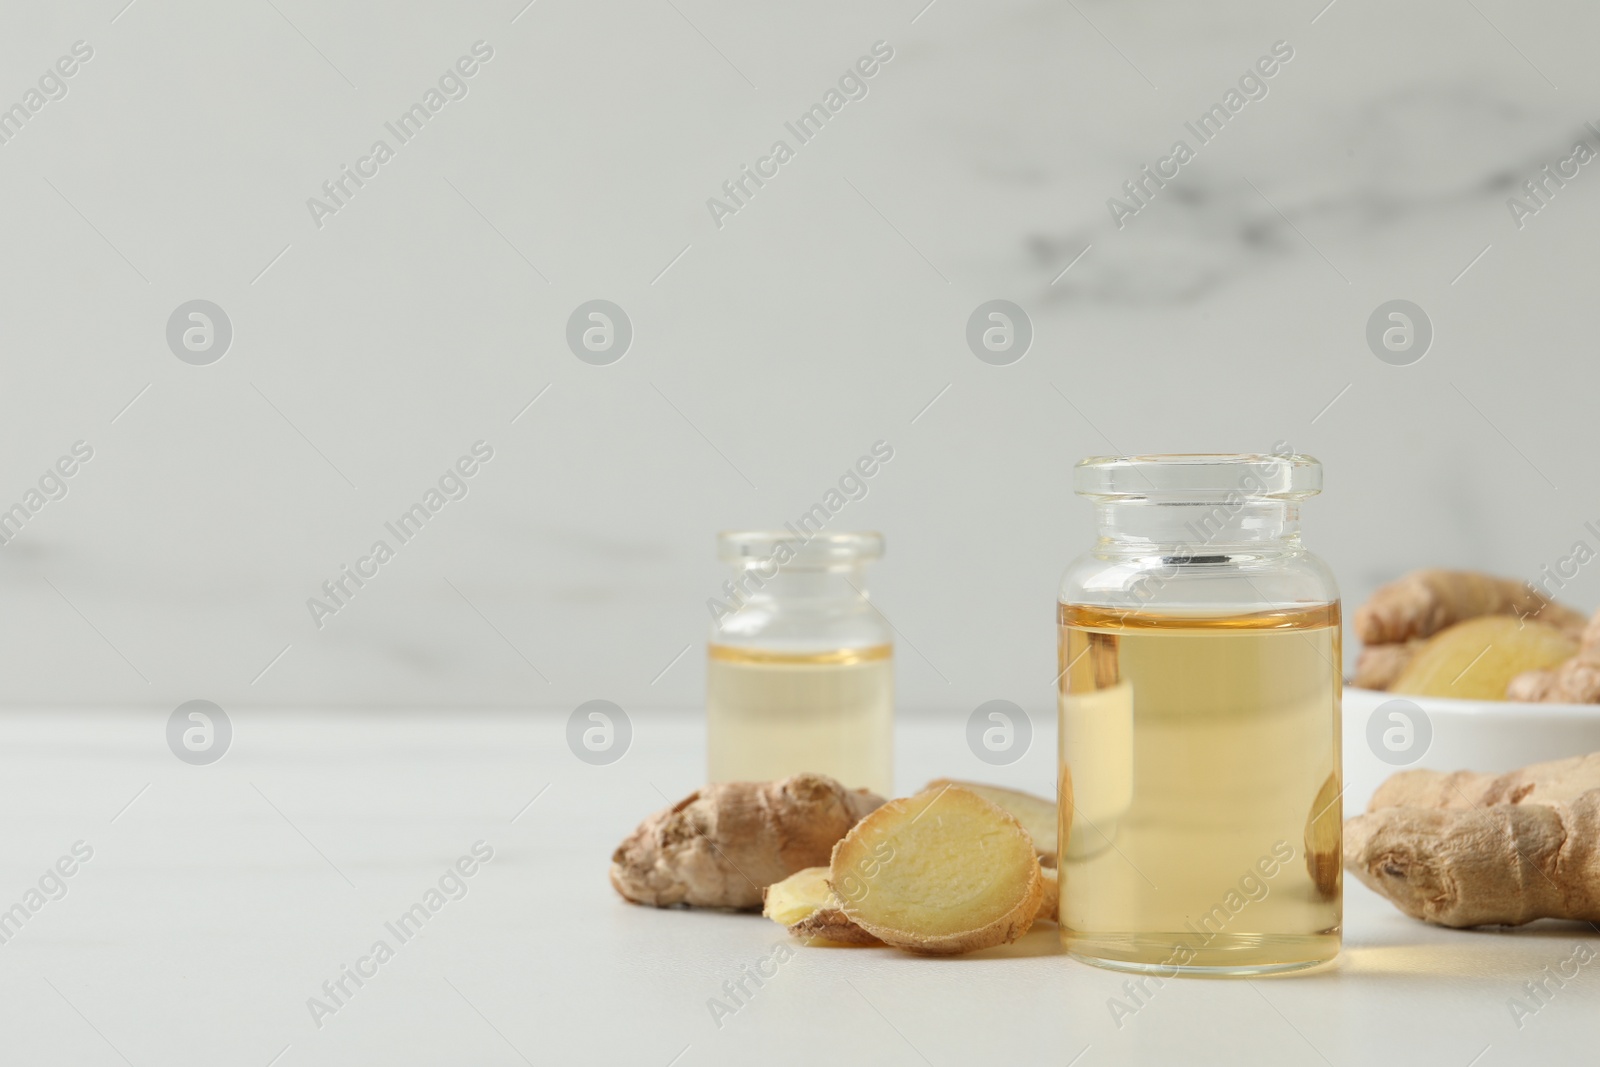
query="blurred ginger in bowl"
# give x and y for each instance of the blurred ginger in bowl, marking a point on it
(1476, 637)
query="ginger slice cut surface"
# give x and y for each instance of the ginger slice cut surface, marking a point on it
(797, 896)
(1036, 814)
(1477, 659)
(943, 872)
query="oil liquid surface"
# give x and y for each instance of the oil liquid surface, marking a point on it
(773, 714)
(1201, 756)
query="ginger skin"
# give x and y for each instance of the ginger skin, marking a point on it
(1555, 782)
(1426, 601)
(1507, 864)
(1467, 849)
(1380, 666)
(834, 926)
(1577, 681)
(722, 846)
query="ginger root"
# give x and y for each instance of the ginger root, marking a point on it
(1426, 601)
(1036, 814)
(943, 872)
(1555, 782)
(1378, 666)
(1467, 849)
(1577, 681)
(1508, 864)
(721, 846)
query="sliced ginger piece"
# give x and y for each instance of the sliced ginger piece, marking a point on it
(805, 905)
(1476, 659)
(943, 872)
(797, 896)
(1036, 814)
(831, 926)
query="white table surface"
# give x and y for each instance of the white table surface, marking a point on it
(222, 897)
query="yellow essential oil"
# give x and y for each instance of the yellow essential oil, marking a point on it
(1200, 768)
(770, 714)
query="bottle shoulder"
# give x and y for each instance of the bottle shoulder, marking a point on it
(776, 628)
(1192, 578)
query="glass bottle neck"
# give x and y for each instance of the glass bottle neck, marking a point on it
(760, 582)
(1224, 522)
(798, 609)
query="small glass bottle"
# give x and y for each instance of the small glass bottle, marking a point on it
(1199, 721)
(800, 667)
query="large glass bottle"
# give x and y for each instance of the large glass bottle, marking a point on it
(800, 670)
(1199, 721)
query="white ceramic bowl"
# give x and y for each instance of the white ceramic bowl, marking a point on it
(1454, 735)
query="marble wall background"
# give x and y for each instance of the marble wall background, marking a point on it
(371, 351)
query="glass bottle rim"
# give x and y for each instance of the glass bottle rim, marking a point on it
(814, 550)
(1200, 476)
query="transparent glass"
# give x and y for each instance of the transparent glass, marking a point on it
(800, 666)
(1199, 695)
